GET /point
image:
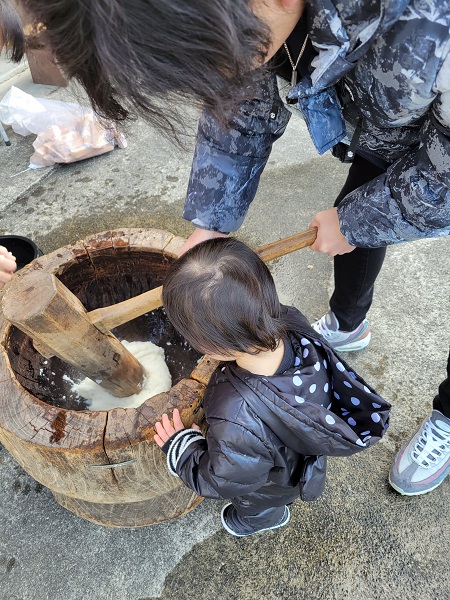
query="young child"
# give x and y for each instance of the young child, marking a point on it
(7, 266)
(282, 402)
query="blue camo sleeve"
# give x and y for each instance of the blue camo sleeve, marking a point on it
(412, 200)
(229, 158)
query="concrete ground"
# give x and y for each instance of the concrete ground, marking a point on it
(360, 540)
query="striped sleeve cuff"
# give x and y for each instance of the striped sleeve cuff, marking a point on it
(180, 442)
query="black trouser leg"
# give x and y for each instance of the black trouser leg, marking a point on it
(257, 517)
(442, 400)
(355, 273)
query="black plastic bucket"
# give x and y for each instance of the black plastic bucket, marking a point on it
(24, 249)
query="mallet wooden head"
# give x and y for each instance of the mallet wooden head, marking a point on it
(42, 307)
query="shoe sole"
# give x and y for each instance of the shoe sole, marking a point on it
(285, 521)
(354, 346)
(420, 493)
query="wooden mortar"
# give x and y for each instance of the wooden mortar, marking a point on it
(102, 465)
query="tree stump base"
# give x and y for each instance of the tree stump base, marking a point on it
(102, 465)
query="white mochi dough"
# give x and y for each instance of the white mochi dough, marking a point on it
(157, 380)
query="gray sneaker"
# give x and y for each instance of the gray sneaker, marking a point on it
(424, 462)
(232, 523)
(342, 341)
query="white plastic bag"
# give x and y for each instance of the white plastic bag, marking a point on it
(65, 132)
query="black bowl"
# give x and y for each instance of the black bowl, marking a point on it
(24, 249)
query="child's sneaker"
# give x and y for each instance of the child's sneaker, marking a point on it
(342, 341)
(232, 523)
(424, 462)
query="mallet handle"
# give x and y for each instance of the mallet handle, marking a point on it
(109, 317)
(287, 245)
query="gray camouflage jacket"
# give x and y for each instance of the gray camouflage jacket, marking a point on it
(393, 57)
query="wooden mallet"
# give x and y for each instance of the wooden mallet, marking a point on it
(43, 308)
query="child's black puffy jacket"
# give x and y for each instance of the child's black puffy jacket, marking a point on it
(268, 437)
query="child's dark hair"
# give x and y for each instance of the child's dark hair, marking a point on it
(221, 298)
(135, 56)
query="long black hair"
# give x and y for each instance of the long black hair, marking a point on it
(221, 297)
(133, 57)
(11, 34)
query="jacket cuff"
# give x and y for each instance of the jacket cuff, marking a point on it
(166, 446)
(178, 444)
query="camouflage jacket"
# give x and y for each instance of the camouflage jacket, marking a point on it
(393, 57)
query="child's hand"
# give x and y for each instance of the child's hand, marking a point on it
(166, 430)
(7, 266)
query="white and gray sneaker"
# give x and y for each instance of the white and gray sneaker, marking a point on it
(342, 341)
(424, 462)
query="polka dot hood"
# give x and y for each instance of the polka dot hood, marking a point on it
(319, 405)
